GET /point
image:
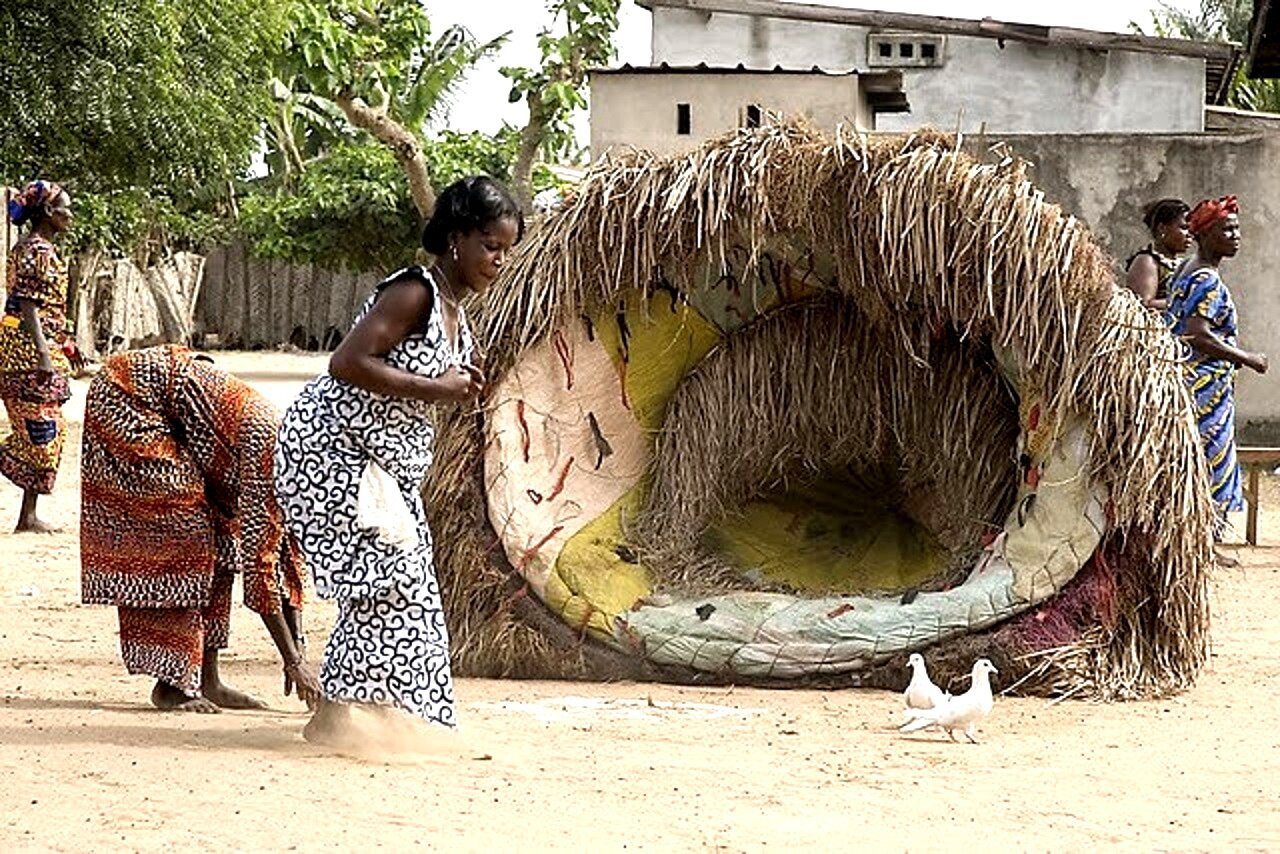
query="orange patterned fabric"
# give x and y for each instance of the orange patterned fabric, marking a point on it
(169, 643)
(176, 473)
(30, 454)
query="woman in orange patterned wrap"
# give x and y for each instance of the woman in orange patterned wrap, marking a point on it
(176, 499)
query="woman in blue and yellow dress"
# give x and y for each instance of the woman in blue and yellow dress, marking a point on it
(1203, 314)
(35, 342)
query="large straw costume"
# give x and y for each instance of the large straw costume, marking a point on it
(787, 408)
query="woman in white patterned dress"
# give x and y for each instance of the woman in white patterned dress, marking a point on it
(409, 350)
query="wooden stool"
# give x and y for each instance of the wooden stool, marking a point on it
(1253, 461)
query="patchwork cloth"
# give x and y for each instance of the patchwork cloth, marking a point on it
(30, 454)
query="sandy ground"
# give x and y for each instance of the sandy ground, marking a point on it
(85, 763)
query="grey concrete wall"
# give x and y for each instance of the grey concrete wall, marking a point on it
(640, 109)
(1014, 88)
(1106, 178)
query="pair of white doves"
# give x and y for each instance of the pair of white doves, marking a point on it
(928, 705)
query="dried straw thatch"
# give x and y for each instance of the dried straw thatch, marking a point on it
(916, 234)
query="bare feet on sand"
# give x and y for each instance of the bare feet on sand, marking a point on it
(170, 699)
(378, 732)
(34, 525)
(331, 726)
(212, 699)
(227, 697)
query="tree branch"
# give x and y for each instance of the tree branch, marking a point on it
(531, 138)
(403, 144)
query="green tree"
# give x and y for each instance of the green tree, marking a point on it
(1219, 20)
(375, 60)
(579, 38)
(144, 108)
(351, 208)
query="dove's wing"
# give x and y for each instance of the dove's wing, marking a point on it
(915, 719)
(919, 696)
(921, 693)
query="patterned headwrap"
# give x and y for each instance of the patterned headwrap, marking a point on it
(24, 205)
(1209, 211)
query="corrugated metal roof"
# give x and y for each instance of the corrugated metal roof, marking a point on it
(703, 68)
(1220, 58)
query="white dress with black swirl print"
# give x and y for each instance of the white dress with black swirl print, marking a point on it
(389, 645)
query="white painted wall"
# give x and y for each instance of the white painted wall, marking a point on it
(1018, 88)
(640, 109)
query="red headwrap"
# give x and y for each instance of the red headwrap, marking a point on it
(1207, 212)
(35, 194)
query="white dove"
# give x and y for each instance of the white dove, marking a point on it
(962, 712)
(921, 693)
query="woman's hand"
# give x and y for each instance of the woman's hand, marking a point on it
(300, 679)
(1256, 362)
(460, 385)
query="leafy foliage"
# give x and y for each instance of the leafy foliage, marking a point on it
(580, 38)
(366, 48)
(351, 208)
(1220, 20)
(139, 106)
(375, 61)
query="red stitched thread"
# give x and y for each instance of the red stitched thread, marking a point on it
(562, 350)
(533, 550)
(559, 484)
(524, 429)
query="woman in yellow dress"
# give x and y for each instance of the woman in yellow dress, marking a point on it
(35, 348)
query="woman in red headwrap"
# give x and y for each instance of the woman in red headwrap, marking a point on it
(1202, 313)
(35, 345)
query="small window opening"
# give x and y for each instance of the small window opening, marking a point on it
(753, 115)
(928, 50)
(906, 50)
(885, 49)
(684, 120)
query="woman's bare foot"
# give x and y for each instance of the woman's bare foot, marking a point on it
(28, 521)
(220, 693)
(227, 697)
(34, 525)
(331, 726)
(170, 699)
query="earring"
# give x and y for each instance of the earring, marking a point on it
(453, 250)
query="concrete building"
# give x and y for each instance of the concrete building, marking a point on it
(963, 74)
(1108, 121)
(666, 109)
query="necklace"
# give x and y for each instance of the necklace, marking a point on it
(452, 302)
(449, 298)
